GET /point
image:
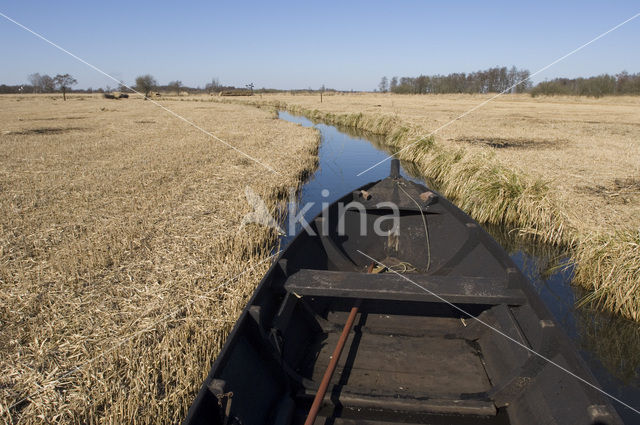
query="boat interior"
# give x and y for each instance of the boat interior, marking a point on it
(445, 331)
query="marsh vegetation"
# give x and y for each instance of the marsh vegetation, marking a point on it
(123, 260)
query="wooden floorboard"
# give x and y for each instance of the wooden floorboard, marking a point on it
(405, 365)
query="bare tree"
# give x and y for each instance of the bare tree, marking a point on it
(384, 85)
(42, 83)
(525, 83)
(64, 83)
(393, 85)
(48, 85)
(36, 81)
(214, 85)
(175, 86)
(145, 83)
(250, 86)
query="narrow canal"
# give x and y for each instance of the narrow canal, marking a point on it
(609, 345)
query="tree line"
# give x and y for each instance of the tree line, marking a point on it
(492, 80)
(143, 83)
(42, 84)
(512, 80)
(601, 85)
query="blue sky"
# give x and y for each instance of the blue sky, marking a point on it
(344, 45)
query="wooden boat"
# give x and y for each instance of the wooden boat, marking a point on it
(445, 329)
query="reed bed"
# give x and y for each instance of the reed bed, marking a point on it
(124, 262)
(611, 264)
(569, 176)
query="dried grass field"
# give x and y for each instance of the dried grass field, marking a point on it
(122, 260)
(565, 170)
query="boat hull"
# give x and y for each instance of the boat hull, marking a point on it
(449, 331)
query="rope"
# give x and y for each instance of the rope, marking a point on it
(424, 222)
(402, 267)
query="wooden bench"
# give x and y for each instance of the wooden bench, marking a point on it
(409, 287)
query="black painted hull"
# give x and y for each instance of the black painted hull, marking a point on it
(450, 342)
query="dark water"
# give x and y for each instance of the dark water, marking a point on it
(609, 345)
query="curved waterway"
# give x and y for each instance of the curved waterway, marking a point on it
(609, 345)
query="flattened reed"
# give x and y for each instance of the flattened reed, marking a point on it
(123, 262)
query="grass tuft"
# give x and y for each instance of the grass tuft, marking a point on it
(612, 264)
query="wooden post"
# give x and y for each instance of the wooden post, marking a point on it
(395, 168)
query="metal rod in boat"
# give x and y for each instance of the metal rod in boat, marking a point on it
(328, 374)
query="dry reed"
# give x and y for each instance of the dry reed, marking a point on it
(123, 262)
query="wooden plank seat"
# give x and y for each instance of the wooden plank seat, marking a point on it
(391, 286)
